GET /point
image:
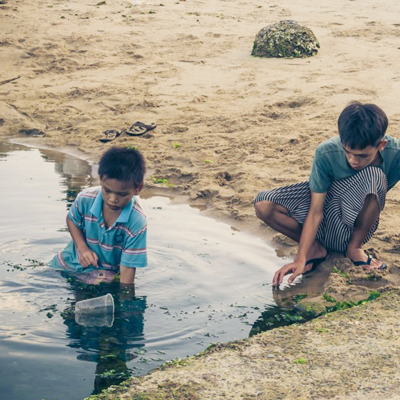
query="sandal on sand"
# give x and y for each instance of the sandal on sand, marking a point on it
(110, 135)
(368, 262)
(315, 262)
(139, 128)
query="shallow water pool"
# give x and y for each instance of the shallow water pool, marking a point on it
(205, 283)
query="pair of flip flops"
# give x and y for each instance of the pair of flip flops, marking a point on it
(109, 135)
(139, 128)
(136, 129)
(315, 262)
(368, 262)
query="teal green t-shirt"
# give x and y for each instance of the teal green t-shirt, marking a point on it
(330, 164)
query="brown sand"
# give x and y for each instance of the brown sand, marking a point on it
(229, 124)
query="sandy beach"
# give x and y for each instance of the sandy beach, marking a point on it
(228, 124)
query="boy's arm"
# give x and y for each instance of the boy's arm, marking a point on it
(86, 255)
(308, 233)
(127, 275)
(134, 255)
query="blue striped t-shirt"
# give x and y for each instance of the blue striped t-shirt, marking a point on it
(123, 243)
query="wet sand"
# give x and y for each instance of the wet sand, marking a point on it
(229, 125)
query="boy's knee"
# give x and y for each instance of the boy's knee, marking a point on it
(264, 210)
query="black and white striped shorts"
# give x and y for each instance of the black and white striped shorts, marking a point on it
(344, 201)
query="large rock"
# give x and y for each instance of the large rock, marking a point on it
(286, 39)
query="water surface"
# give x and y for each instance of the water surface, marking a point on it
(205, 283)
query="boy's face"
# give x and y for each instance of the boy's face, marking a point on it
(359, 159)
(117, 194)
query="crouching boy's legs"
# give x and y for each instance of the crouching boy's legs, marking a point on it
(367, 218)
(351, 214)
(276, 216)
(288, 220)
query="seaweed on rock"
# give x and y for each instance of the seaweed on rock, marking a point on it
(286, 39)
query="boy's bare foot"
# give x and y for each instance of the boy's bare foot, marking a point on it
(360, 258)
(316, 252)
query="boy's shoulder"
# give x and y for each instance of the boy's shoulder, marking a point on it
(88, 194)
(331, 145)
(392, 143)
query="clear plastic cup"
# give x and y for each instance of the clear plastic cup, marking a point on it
(96, 304)
(98, 311)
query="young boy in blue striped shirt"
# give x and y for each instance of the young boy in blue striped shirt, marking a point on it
(107, 225)
(338, 208)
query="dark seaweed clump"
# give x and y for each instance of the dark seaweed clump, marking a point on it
(287, 39)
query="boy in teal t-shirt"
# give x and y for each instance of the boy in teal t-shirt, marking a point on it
(107, 225)
(338, 208)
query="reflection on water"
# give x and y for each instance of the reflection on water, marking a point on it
(109, 347)
(205, 283)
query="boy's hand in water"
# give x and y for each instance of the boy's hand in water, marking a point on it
(87, 257)
(295, 268)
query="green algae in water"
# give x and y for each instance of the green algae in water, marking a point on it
(276, 316)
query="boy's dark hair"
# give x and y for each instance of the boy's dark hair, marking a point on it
(123, 163)
(362, 125)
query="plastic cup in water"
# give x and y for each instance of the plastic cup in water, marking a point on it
(96, 304)
(98, 311)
